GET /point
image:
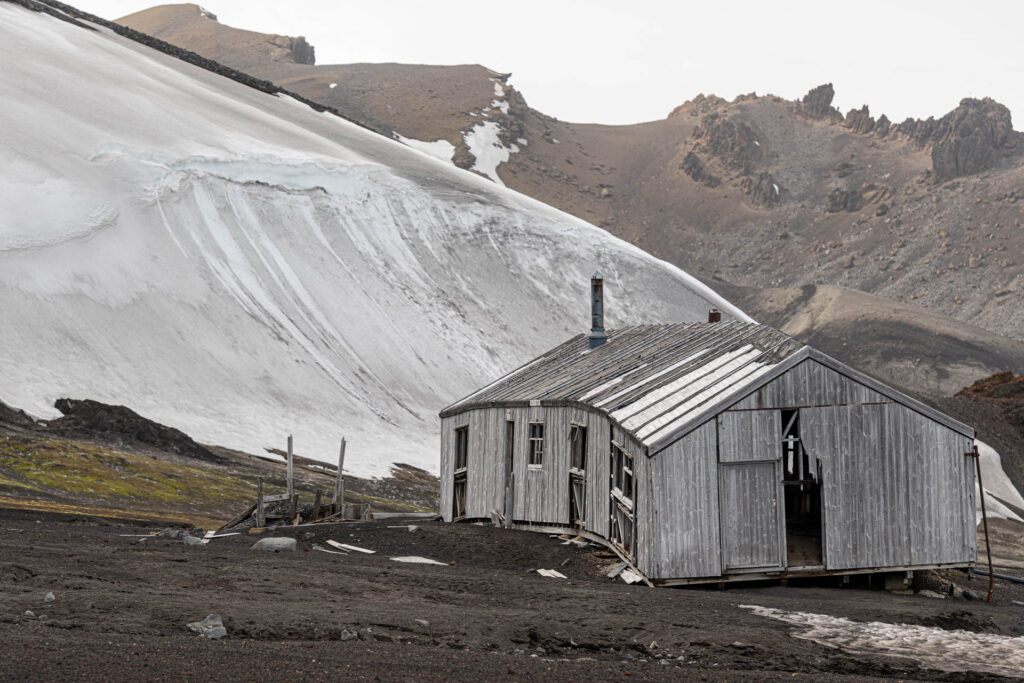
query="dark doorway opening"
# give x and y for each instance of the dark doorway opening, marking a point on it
(578, 476)
(510, 482)
(801, 481)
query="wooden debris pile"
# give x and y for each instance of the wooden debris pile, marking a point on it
(285, 508)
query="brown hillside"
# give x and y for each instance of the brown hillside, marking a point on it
(758, 193)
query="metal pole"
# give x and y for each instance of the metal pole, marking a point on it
(984, 521)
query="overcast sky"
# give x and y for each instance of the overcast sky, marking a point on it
(609, 61)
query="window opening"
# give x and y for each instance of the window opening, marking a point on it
(461, 447)
(578, 447)
(536, 454)
(622, 472)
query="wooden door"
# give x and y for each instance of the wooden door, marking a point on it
(750, 491)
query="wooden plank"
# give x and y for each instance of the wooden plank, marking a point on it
(316, 505)
(346, 546)
(238, 518)
(339, 481)
(277, 497)
(261, 519)
(291, 468)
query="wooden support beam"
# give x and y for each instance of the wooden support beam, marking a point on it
(339, 482)
(291, 469)
(238, 519)
(316, 505)
(261, 518)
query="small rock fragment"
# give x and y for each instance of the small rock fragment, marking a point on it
(29, 613)
(211, 627)
(932, 594)
(968, 594)
(347, 635)
(423, 622)
(49, 597)
(413, 529)
(192, 540)
(275, 544)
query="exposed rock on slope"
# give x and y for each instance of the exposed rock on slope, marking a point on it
(121, 428)
(897, 343)
(849, 187)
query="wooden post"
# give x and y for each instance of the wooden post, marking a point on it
(260, 513)
(339, 483)
(291, 469)
(316, 505)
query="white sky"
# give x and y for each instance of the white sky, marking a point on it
(609, 61)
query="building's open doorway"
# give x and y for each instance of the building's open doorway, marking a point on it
(801, 480)
(577, 476)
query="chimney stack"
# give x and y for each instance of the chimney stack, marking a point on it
(714, 315)
(597, 335)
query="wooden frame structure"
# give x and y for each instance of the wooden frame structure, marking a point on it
(695, 421)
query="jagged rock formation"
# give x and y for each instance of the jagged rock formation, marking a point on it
(859, 120)
(817, 103)
(974, 135)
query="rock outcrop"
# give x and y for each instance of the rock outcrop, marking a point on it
(731, 141)
(763, 189)
(973, 135)
(695, 168)
(859, 120)
(295, 49)
(121, 427)
(817, 103)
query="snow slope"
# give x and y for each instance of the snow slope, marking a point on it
(242, 267)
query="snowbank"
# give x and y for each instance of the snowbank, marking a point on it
(241, 267)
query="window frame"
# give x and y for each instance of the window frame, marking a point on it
(622, 467)
(460, 459)
(577, 446)
(535, 446)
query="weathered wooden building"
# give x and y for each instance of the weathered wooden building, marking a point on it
(714, 451)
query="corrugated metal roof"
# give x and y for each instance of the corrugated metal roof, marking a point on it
(651, 379)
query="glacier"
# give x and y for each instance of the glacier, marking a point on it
(242, 267)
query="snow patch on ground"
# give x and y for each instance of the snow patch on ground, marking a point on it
(999, 489)
(499, 91)
(934, 648)
(485, 144)
(439, 149)
(332, 86)
(501, 105)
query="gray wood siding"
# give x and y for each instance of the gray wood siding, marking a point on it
(485, 468)
(750, 435)
(750, 490)
(809, 384)
(543, 496)
(897, 489)
(680, 534)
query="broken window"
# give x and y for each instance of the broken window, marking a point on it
(622, 471)
(461, 447)
(578, 447)
(536, 454)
